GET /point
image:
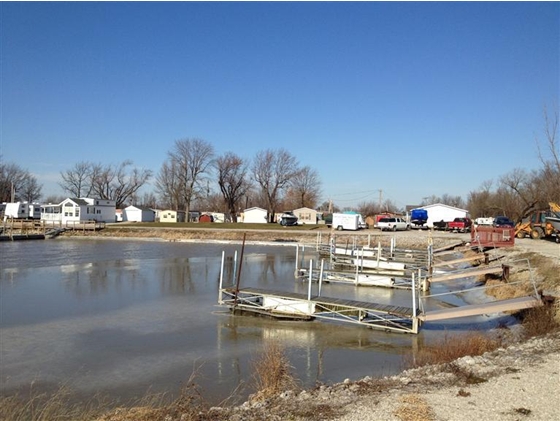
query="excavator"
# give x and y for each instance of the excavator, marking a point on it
(537, 225)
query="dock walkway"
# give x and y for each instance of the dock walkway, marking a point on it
(293, 305)
(282, 304)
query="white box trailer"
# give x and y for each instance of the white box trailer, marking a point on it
(346, 221)
(22, 210)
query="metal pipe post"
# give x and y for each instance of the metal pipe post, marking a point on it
(310, 279)
(220, 301)
(321, 276)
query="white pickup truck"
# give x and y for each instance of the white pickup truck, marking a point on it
(392, 224)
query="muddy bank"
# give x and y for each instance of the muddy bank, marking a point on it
(410, 239)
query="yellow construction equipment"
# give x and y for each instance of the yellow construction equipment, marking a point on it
(536, 225)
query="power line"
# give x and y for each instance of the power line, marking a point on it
(365, 194)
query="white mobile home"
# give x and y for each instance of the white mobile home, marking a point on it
(138, 214)
(255, 215)
(170, 215)
(306, 215)
(83, 209)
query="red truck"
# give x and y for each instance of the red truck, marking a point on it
(460, 225)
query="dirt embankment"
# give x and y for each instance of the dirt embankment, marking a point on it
(408, 239)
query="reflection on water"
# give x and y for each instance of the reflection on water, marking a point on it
(124, 317)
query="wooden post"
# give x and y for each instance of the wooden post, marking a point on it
(239, 271)
(505, 273)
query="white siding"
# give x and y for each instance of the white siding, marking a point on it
(439, 212)
(255, 216)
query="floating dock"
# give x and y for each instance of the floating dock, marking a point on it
(282, 304)
(298, 306)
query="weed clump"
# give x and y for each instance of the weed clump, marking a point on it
(451, 348)
(414, 408)
(273, 373)
(538, 321)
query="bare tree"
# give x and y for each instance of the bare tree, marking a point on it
(169, 187)
(233, 182)
(55, 198)
(430, 200)
(549, 178)
(456, 201)
(480, 203)
(552, 157)
(77, 180)
(30, 190)
(213, 202)
(118, 183)
(148, 200)
(305, 188)
(517, 196)
(368, 208)
(19, 182)
(189, 164)
(273, 171)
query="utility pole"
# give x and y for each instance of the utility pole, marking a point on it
(380, 198)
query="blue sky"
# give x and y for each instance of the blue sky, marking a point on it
(414, 99)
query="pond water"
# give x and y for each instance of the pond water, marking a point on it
(125, 317)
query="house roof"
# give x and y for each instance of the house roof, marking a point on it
(254, 208)
(441, 205)
(79, 202)
(305, 209)
(143, 208)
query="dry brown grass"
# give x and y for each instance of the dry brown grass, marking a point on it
(273, 373)
(503, 291)
(451, 348)
(32, 405)
(541, 320)
(60, 406)
(414, 408)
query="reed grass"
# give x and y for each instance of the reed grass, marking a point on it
(450, 348)
(60, 405)
(272, 372)
(32, 405)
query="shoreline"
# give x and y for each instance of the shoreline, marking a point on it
(516, 380)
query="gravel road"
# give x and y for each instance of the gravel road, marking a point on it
(523, 383)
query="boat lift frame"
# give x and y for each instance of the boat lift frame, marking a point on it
(297, 306)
